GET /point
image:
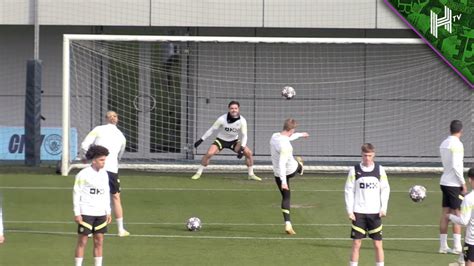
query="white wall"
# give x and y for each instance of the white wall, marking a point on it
(17, 12)
(90, 12)
(387, 19)
(349, 14)
(320, 14)
(216, 13)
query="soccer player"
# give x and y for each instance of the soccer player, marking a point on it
(453, 186)
(111, 138)
(366, 195)
(91, 201)
(285, 166)
(466, 218)
(229, 126)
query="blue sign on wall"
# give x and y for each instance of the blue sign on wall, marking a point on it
(12, 143)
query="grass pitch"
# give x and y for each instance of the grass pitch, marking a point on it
(242, 221)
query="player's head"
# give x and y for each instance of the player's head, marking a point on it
(234, 108)
(455, 127)
(470, 173)
(368, 154)
(97, 154)
(111, 117)
(290, 125)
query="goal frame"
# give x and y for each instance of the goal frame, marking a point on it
(66, 165)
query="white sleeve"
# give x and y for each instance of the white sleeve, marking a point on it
(76, 194)
(122, 148)
(458, 162)
(466, 210)
(384, 190)
(108, 208)
(349, 191)
(213, 128)
(296, 136)
(285, 153)
(243, 129)
(88, 141)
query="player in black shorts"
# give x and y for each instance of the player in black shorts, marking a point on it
(453, 186)
(367, 225)
(366, 194)
(222, 144)
(91, 201)
(286, 166)
(231, 131)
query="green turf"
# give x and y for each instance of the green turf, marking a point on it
(242, 222)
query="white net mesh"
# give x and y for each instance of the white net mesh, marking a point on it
(168, 93)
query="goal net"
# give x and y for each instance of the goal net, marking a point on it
(168, 90)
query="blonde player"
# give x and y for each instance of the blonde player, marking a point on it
(229, 126)
(366, 194)
(466, 217)
(91, 201)
(285, 166)
(452, 185)
(111, 138)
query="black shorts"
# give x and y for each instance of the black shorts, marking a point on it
(468, 252)
(367, 225)
(452, 197)
(221, 144)
(92, 225)
(114, 182)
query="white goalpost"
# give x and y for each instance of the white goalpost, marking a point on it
(168, 90)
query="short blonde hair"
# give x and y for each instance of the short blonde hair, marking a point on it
(109, 113)
(289, 124)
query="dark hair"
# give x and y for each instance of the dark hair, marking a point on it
(232, 103)
(470, 173)
(455, 126)
(96, 151)
(367, 147)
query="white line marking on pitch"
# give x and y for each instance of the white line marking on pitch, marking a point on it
(225, 224)
(203, 189)
(232, 237)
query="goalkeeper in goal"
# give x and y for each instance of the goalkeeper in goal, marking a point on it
(228, 126)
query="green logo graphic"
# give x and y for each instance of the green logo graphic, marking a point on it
(446, 26)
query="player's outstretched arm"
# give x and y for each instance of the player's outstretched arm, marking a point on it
(209, 132)
(197, 143)
(298, 135)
